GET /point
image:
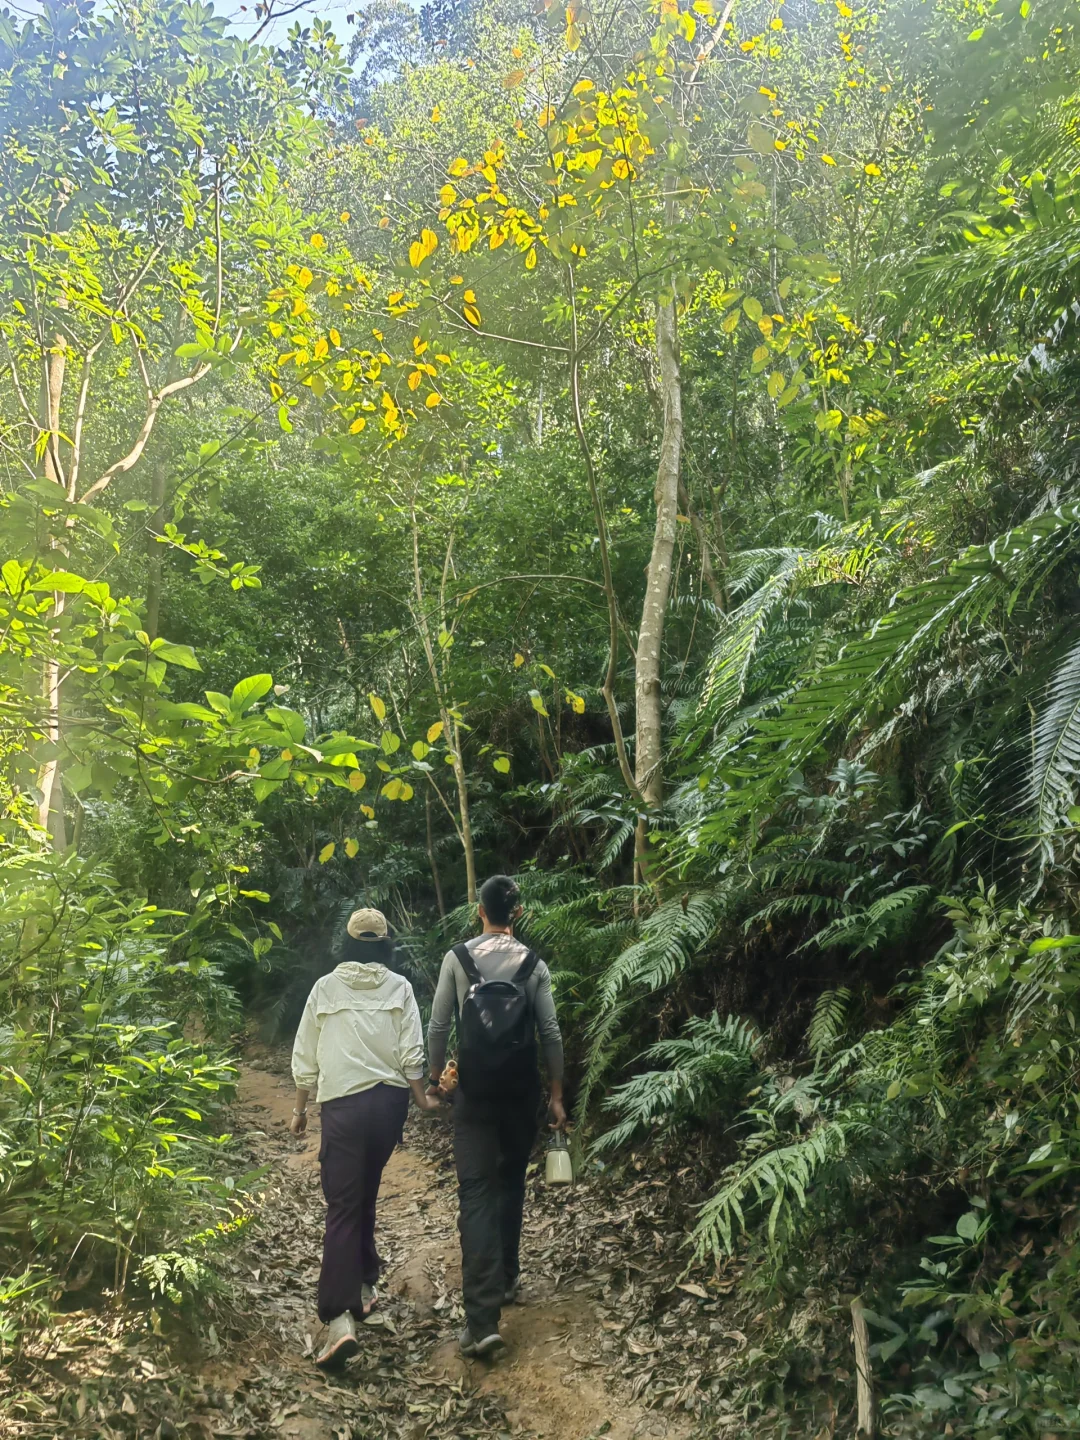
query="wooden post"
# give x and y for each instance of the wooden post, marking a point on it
(864, 1376)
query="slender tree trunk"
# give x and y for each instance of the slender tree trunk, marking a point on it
(51, 806)
(450, 726)
(153, 548)
(648, 751)
(436, 879)
(708, 574)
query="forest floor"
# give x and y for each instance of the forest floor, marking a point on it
(611, 1338)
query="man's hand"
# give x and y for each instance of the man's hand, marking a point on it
(557, 1113)
(433, 1101)
(298, 1123)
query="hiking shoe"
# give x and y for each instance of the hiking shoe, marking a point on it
(341, 1343)
(479, 1348)
(513, 1290)
(369, 1298)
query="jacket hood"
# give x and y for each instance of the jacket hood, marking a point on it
(362, 977)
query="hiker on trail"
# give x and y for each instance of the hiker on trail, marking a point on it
(501, 992)
(362, 1041)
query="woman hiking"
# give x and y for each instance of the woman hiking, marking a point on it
(361, 1041)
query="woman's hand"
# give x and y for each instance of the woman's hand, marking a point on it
(298, 1123)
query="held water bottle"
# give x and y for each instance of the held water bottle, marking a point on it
(559, 1169)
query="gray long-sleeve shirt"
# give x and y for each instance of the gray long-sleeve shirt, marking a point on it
(497, 957)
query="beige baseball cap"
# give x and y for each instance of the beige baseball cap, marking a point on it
(367, 925)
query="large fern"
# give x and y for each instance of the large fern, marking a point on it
(1055, 759)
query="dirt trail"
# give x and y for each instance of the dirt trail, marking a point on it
(610, 1340)
(554, 1381)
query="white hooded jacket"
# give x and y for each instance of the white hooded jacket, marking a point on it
(361, 1027)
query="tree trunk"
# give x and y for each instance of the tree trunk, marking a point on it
(648, 752)
(51, 806)
(450, 726)
(436, 879)
(153, 548)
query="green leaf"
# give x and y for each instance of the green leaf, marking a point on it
(246, 692)
(502, 764)
(537, 702)
(182, 655)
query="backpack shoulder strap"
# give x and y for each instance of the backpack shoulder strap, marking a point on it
(526, 968)
(468, 964)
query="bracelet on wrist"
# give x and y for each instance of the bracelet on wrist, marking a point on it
(300, 1112)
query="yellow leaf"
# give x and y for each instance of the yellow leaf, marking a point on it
(436, 115)
(730, 322)
(384, 223)
(761, 353)
(415, 376)
(470, 297)
(368, 811)
(406, 792)
(776, 23)
(344, 217)
(573, 37)
(392, 789)
(351, 848)
(458, 168)
(519, 660)
(335, 338)
(429, 240)
(327, 853)
(472, 315)
(502, 764)
(434, 731)
(417, 254)
(827, 160)
(576, 702)
(530, 258)
(317, 241)
(537, 702)
(377, 706)
(357, 780)
(420, 750)
(357, 425)
(433, 400)
(514, 78)
(286, 754)
(395, 297)
(321, 348)
(447, 195)
(546, 116)
(872, 169)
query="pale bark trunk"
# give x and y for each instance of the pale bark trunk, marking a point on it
(51, 806)
(648, 752)
(153, 550)
(450, 726)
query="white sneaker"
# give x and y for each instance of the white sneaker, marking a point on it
(341, 1343)
(482, 1347)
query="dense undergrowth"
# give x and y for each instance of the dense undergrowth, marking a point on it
(346, 558)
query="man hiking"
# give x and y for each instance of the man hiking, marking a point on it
(501, 993)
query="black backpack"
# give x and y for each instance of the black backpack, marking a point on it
(496, 1032)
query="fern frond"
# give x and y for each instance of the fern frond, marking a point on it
(780, 1178)
(828, 1022)
(1055, 760)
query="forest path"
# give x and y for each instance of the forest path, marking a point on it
(558, 1378)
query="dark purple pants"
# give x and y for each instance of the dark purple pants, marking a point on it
(359, 1133)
